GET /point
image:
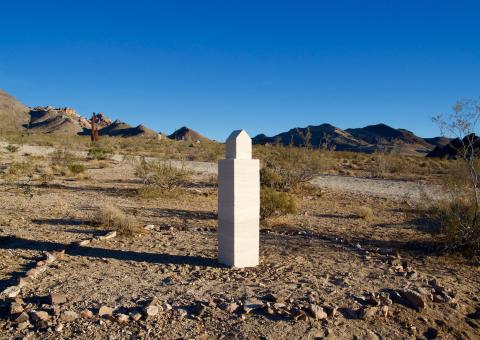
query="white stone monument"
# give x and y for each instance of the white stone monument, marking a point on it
(239, 204)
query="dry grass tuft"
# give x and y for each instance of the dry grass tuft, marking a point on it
(112, 218)
(364, 212)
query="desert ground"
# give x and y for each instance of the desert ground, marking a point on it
(355, 262)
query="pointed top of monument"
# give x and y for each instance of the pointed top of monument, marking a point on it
(239, 145)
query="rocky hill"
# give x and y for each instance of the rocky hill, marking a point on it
(455, 147)
(46, 119)
(13, 114)
(368, 139)
(187, 134)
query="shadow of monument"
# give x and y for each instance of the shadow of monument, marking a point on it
(122, 255)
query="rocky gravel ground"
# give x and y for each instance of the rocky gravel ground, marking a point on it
(327, 272)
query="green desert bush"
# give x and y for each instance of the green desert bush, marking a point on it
(288, 168)
(111, 218)
(161, 175)
(76, 168)
(62, 157)
(100, 152)
(276, 203)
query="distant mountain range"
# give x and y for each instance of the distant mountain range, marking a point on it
(15, 116)
(368, 139)
(47, 119)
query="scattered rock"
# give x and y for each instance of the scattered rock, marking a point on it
(83, 243)
(150, 310)
(105, 311)
(23, 325)
(16, 308)
(317, 312)
(87, 314)
(22, 317)
(11, 292)
(229, 307)
(367, 312)
(39, 316)
(108, 236)
(50, 258)
(57, 298)
(122, 318)
(68, 316)
(135, 315)
(166, 307)
(149, 227)
(415, 299)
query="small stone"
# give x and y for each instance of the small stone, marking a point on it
(87, 314)
(57, 298)
(108, 236)
(22, 317)
(105, 311)
(68, 316)
(122, 318)
(367, 312)
(41, 263)
(166, 307)
(38, 316)
(182, 313)
(83, 243)
(149, 227)
(11, 292)
(230, 307)
(150, 310)
(136, 315)
(16, 308)
(59, 328)
(317, 312)
(415, 299)
(23, 325)
(50, 258)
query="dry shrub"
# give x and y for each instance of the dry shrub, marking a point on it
(100, 152)
(157, 175)
(62, 158)
(17, 171)
(76, 168)
(456, 215)
(364, 212)
(288, 168)
(112, 218)
(12, 148)
(275, 203)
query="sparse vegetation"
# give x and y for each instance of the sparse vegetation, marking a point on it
(111, 218)
(99, 152)
(364, 212)
(12, 148)
(458, 214)
(76, 168)
(275, 203)
(158, 176)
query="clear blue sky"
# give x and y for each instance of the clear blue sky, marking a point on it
(265, 66)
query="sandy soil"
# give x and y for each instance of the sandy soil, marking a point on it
(326, 256)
